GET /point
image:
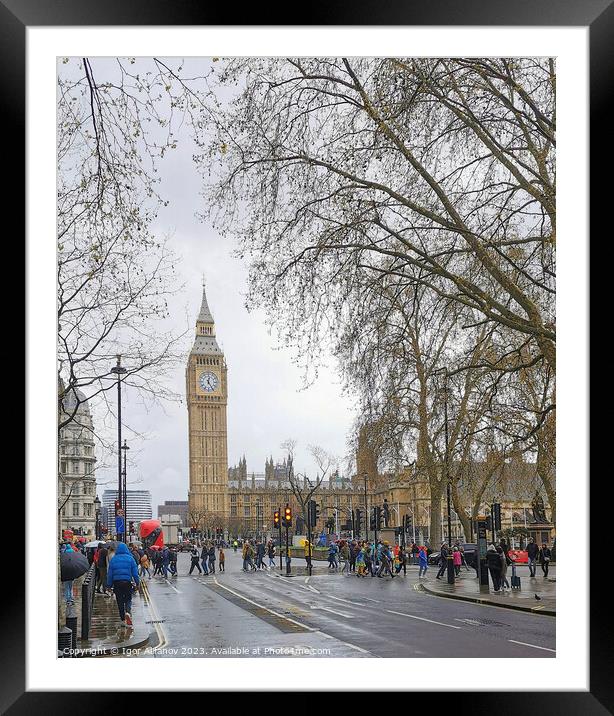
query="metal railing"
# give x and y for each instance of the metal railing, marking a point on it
(88, 591)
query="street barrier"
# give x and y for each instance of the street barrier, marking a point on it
(88, 590)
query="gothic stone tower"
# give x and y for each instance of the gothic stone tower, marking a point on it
(207, 397)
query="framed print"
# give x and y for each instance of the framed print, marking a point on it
(296, 334)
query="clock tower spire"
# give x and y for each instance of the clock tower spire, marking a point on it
(207, 397)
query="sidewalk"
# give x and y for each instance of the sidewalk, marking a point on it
(467, 588)
(107, 637)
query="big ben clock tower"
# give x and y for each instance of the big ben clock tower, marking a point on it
(207, 394)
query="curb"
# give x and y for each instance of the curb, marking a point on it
(112, 650)
(490, 602)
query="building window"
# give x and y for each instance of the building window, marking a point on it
(246, 511)
(88, 509)
(75, 509)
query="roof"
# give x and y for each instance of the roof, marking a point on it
(205, 313)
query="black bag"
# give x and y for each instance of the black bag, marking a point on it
(516, 582)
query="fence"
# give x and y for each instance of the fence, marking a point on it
(88, 590)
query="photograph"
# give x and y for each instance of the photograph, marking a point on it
(306, 340)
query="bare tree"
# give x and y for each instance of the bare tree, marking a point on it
(304, 488)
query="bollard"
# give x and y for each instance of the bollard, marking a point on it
(64, 640)
(450, 559)
(71, 623)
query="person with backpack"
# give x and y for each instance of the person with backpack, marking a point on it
(121, 574)
(144, 566)
(332, 556)
(194, 561)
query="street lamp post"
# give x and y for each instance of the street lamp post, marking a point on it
(119, 370)
(125, 449)
(447, 466)
(97, 513)
(366, 510)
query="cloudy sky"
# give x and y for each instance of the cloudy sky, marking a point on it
(267, 403)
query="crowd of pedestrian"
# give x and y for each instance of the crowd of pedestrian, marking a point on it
(205, 561)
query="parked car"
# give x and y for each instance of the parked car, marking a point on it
(470, 548)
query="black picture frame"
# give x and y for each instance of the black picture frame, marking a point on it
(17, 15)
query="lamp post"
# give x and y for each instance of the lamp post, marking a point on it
(125, 449)
(366, 509)
(119, 370)
(97, 513)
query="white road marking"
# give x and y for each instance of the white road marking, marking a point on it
(162, 638)
(422, 619)
(358, 648)
(333, 611)
(468, 621)
(534, 646)
(347, 601)
(306, 580)
(261, 606)
(377, 601)
(172, 587)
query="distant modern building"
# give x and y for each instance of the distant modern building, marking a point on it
(76, 469)
(174, 507)
(138, 506)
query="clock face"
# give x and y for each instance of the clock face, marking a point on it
(208, 381)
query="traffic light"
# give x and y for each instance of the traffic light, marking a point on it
(496, 513)
(131, 527)
(313, 512)
(379, 517)
(386, 513)
(276, 519)
(407, 524)
(373, 519)
(357, 522)
(287, 516)
(118, 506)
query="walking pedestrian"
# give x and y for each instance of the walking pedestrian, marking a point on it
(204, 555)
(172, 561)
(271, 553)
(533, 553)
(504, 563)
(194, 561)
(443, 560)
(360, 562)
(402, 561)
(354, 549)
(332, 556)
(493, 560)
(121, 574)
(222, 560)
(344, 555)
(457, 559)
(544, 557)
(212, 559)
(144, 566)
(101, 558)
(423, 562)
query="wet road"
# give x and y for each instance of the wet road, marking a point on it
(330, 615)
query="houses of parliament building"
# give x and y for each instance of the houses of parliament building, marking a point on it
(242, 502)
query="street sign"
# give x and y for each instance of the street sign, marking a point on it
(119, 525)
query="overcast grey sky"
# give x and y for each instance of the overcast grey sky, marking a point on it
(266, 403)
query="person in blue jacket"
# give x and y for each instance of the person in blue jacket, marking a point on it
(120, 573)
